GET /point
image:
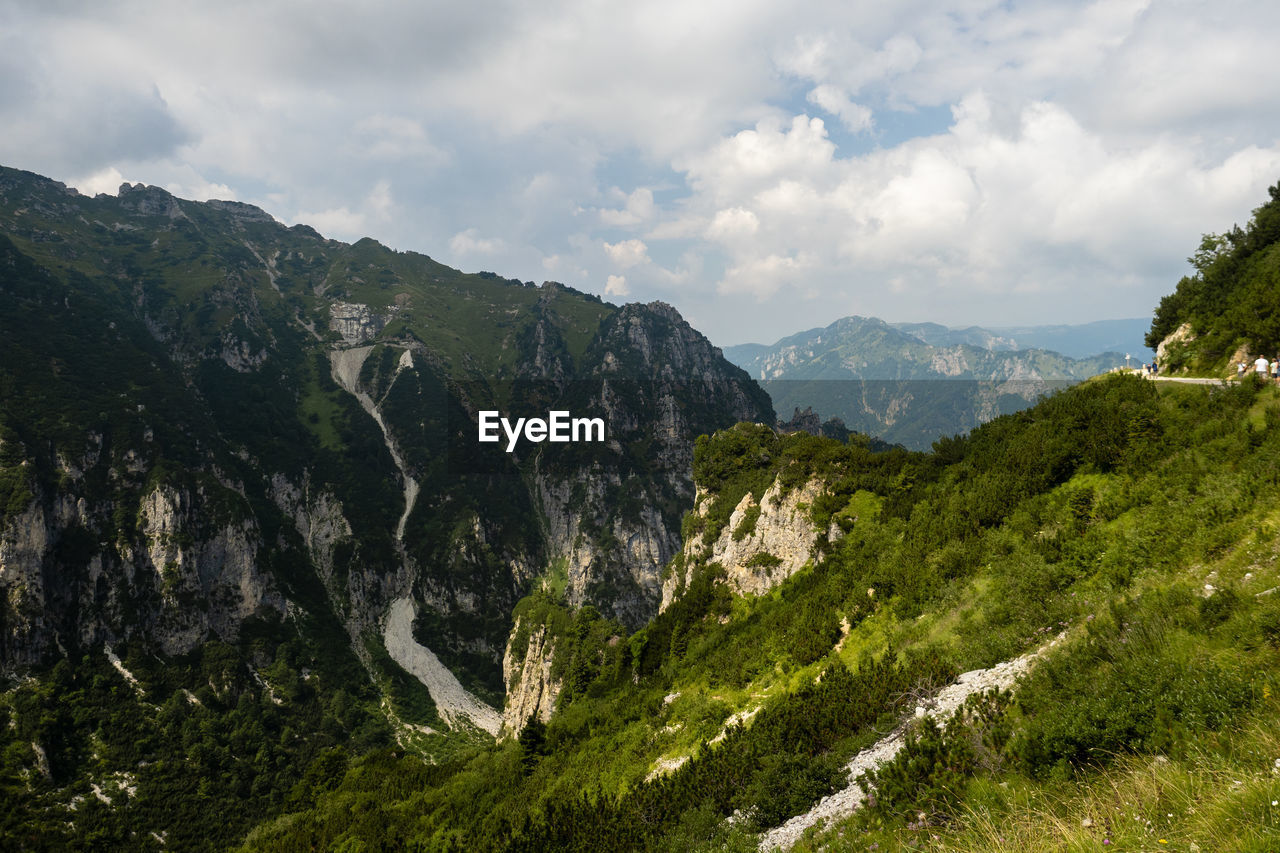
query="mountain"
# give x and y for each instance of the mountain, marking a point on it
(1035, 631)
(1077, 341)
(240, 467)
(263, 588)
(892, 383)
(1059, 631)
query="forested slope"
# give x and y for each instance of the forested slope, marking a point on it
(1134, 519)
(1230, 306)
(247, 532)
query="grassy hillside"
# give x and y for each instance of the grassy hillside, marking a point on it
(1137, 521)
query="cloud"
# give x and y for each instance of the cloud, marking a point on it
(377, 207)
(379, 201)
(396, 138)
(765, 166)
(470, 242)
(732, 225)
(336, 222)
(627, 253)
(1038, 207)
(834, 100)
(106, 180)
(762, 276)
(639, 208)
(616, 285)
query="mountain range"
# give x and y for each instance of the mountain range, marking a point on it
(219, 432)
(263, 589)
(913, 383)
(1082, 340)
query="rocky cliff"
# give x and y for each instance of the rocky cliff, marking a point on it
(211, 421)
(531, 689)
(187, 572)
(657, 383)
(765, 542)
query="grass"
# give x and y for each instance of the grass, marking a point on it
(1221, 791)
(556, 579)
(319, 412)
(1224, 795)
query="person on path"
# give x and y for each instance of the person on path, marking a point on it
(1261, 365)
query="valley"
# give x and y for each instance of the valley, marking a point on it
(262, 588)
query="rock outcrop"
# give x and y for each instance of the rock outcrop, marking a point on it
(1180, 336)
(188, 573)
(358, 324)
(207, 575)
(657, 383)
(755, 556)
(531, 691)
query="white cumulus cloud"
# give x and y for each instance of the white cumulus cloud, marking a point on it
(834, 100)
(627, 253)
(616, 285)
(469, 242)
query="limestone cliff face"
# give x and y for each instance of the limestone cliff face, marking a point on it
(185, 575)
(23, 544)
(657, 383)
(755, 559)
(1180, 336)
(356, 323)
(358, 593)
(207, 576)
(530, 687)
(635, 546)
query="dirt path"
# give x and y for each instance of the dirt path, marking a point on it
(1188, 380)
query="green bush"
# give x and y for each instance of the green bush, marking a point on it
(925, 782)
(1145, 680)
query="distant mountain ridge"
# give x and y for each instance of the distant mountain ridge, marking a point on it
(1076, 341)
(910, 383)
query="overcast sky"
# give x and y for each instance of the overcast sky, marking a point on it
(764, 166)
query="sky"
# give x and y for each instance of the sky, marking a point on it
(765, 167)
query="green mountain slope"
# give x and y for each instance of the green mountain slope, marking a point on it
(244, 459)
(907, 384)
(1107, 514)
(826, 595)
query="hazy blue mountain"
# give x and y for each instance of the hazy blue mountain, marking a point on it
(1076, 341)
(892, 382)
